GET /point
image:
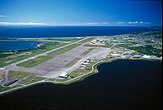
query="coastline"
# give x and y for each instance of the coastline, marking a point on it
(74, 80)
(111, 48)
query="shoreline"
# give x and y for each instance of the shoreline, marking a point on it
(120, 52)
(67, 82)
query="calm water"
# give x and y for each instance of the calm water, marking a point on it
(17, 45)
(68, 31)
(120, 85)
(62, 31)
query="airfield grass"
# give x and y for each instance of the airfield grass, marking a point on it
(51, 79)
(31, 79)
(24, 81)
(86, 40)
(86, 52)
(53, 39)
(41, 59)
(4, 88)
(71, 39)
(15, 74)
(71, 63)
(107, 45)
(81, 70)
(62, 80)
(77, 72)
(34, 62)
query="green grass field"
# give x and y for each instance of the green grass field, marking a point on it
(147, 49)
(86, 52)
(71, 63)
(107, 45)
(31, 79)
(4, 88)
(86, 40)
(82, 71)
(72, 39)
(15, 74)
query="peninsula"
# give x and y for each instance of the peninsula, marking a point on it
(67, 60)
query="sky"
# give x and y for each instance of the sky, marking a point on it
(81, 12)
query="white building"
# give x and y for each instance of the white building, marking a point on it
(146, 56)
(63, 75)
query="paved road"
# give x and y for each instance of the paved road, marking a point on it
(54, 72)
(41, 72)
(98, 53)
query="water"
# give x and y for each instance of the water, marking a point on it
(13, 45)
(120, 85)
(62, 31)
(69, 31)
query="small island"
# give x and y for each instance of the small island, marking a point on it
(69, 59)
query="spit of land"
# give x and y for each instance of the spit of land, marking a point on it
(66, 60)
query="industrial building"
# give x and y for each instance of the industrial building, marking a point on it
(63, 75)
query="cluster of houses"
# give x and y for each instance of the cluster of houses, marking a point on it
(131, 54)
(98, 42)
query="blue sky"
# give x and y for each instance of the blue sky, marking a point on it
(80, 12)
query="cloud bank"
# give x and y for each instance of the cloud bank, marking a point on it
(130, 23)
(20, 23)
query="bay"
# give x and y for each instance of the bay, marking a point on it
(119, 85)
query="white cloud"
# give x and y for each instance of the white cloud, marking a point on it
(104, 22)
(93, 23)
(138, 22)
(87, 24)
(135, 22)
(113, 23)
(120, 23)
(20, 23)
(97, 23)
(83, 24)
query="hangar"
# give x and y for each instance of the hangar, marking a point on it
(63, 75)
